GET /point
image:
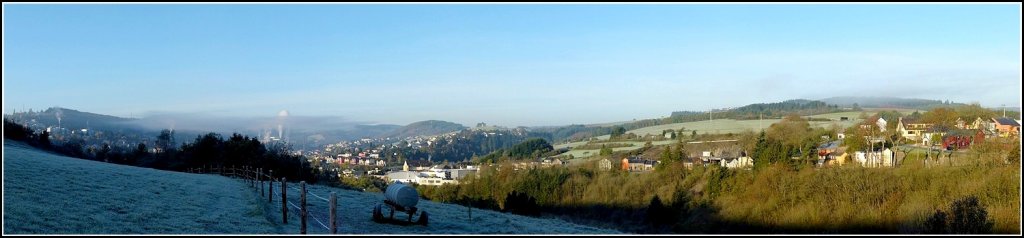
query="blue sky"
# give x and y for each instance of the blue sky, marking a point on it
(510, 65)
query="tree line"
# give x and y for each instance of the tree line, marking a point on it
(209, 150)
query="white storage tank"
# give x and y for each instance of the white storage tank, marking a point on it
(402, 194)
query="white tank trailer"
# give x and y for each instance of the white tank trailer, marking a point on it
(402, 194)
(403, 198)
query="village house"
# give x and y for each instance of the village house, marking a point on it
(831, 153)
(637, 164)
(914, 130)
(874, 159)
(604, 165)
(548, 162)
(1006, 127)
(961, 138)
(707, 157)
(933, 136)
(977, 124)
(689, 162)
(738, 162)
(881, 124)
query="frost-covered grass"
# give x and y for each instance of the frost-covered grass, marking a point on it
(50, 194)
(355, 210)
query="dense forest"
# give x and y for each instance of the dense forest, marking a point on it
(530, 149)
(467, 144)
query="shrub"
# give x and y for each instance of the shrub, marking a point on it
(966, 216)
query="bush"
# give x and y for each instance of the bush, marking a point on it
(966, 216)
(522, 204)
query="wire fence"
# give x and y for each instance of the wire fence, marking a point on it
(323, 214)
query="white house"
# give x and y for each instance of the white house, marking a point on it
(741, 162)
(882, 158)
(604, 165)
(881, 124)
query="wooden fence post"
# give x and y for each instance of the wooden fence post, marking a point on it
(334, 213)
(284, 200)
(248, 176)
(302, 200)
(259, 178)
(270, 193)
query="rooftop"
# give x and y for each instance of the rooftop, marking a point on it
(1006, 121)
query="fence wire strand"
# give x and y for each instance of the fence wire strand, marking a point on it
(297, 209)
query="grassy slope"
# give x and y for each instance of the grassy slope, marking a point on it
(50, 194)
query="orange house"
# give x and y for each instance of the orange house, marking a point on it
(1007, 127)
(625, 164)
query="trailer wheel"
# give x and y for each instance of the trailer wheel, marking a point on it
(378, 216)
(424, 218)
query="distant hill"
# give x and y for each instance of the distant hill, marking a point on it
(889, 102)
(355, 132)
(424, 128)
(802, 107)
(685, 113)
(74, 119)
